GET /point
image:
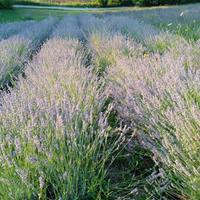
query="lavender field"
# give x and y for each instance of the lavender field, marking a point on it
(101, 106)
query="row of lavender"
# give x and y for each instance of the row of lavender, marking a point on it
(178, 14)
(54, 135)
(182, 20)
(156, 92)
(16, 50)
(9, 29)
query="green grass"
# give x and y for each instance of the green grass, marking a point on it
(67, 3)
(48, 3)
(189, 31)
(21, 14)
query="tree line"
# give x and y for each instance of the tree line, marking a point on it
(105, 3)
(143, 2)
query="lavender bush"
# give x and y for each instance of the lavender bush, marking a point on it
(181, 20)
(9, 29)
(161, 100)
(89, 23)
(16, 51)
(151, 37)
(106, 47)
(55, 137)
(132, 28)
(168, 15)
(68, 28)
(145, 96)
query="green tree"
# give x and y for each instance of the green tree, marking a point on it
(121, 2)
(6, 3)
(103, 2)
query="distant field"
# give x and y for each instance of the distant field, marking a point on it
(75, 3)
(18, 14)
(97, 3)
(25, 14)
(100, 105)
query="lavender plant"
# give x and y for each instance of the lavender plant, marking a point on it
(131, 27)
(181, 20)
(68, 28)
(151, 37)
(107, 50)
(106, 47)
(156, 98)
(89, 23)
(170, 15)
(16, 51)
(9, 29)
(54, 136)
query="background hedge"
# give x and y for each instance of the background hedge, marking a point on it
(6, 3)
(9, 3)
(161, 2)
(149, 2)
